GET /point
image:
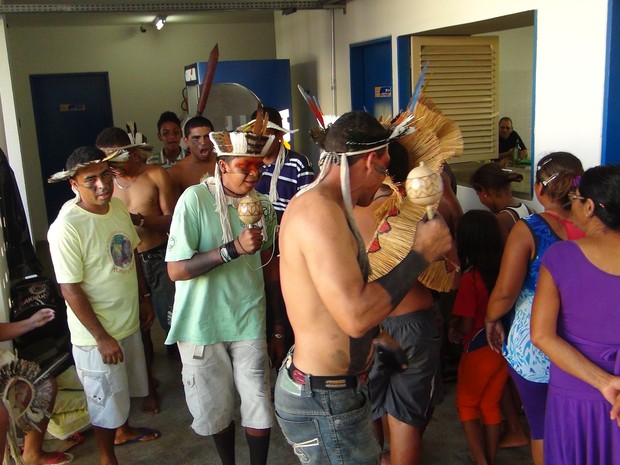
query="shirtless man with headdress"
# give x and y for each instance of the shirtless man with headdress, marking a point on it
(334, 311)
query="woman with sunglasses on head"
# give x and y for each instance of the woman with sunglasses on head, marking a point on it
(575, 323)
(527, 242)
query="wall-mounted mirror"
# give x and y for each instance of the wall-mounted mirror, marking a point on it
(478, 73)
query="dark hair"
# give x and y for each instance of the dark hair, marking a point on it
(479, 244)
(274, 115)
(196, 122)
(504, 118)
(112, 137)
(602, 185)
(353, 131)
(83, 155)
(399, 162)
(557, 172)
(168, 117)
(491, 176)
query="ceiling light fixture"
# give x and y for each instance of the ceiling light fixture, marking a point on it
(159, 22)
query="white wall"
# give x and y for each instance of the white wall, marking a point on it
(145, 73)
(516, 75)
(570, 56)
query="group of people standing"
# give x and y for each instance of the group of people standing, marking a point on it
(118, 249)
(533, 291)
(141, 240)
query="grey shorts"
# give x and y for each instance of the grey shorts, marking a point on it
(407, 396)
(211, 373)
(108, 387)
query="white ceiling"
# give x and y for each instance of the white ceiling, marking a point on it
(41, 13)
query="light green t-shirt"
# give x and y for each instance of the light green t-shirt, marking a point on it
(228, 302)
(98, 252)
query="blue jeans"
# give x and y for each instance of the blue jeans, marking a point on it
(159, 283)
(326, 426)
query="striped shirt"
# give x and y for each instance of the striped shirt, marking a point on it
(296, 173)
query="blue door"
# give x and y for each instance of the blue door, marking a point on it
(371, 77)
(69, 111)
(611, 118)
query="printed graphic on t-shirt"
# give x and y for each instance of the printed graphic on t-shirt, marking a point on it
(121, 252)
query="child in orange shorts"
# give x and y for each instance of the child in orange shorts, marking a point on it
(482, 372)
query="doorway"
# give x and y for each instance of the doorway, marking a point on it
(69, 111)
(371, 77)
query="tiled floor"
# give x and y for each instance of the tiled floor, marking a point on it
(443, 444)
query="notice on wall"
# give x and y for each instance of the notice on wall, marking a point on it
(72, 107)
(383, 91)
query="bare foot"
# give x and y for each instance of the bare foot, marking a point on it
(150, 404)
(128, 435)
(513, 440)
(69, 443)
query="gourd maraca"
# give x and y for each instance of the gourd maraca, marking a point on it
(424, 187)
(250, 209)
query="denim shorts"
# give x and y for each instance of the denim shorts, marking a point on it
(326, 426)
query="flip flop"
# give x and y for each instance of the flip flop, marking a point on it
(74, 440)
(60, 458)
(144, 432)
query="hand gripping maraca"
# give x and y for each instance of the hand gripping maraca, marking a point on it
(424, 187)
(250, 213)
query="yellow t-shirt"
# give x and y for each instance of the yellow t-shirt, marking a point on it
(98, 252)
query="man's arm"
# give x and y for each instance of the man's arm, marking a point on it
(108, 346)
(275, 305)
(248, 242)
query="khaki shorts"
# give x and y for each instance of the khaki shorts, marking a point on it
(210, 375)
(109, 387)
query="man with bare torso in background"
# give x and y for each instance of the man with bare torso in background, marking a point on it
(404, 401)
(147, 192)
(321, 398)
(200, 162)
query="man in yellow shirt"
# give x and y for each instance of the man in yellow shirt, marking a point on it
(92, 244)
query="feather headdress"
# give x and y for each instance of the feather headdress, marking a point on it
(27, 397)
(254, 143)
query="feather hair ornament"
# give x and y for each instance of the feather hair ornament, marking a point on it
(27, 397)
(434, 140)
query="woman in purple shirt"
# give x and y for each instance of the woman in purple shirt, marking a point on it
(575, 323)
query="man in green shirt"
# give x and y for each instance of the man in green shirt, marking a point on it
(220, 304)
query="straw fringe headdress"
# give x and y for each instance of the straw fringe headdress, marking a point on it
(434, 141)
